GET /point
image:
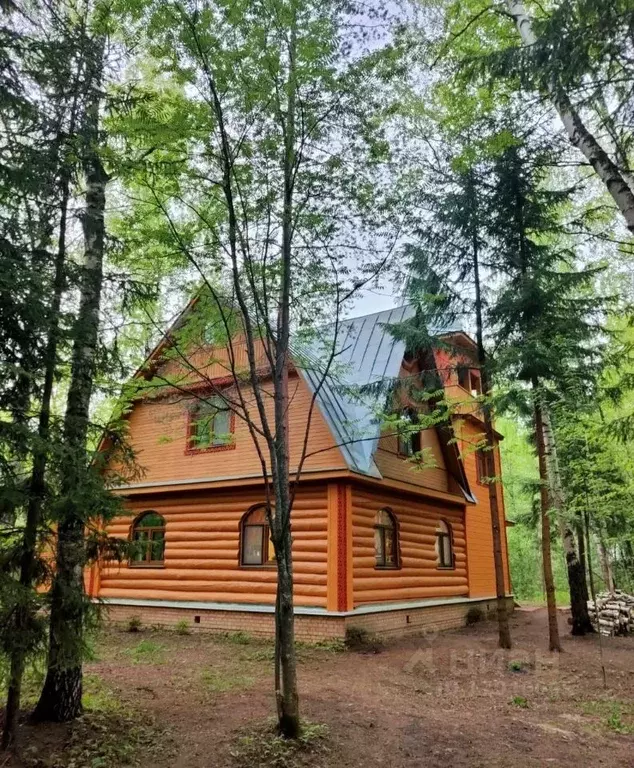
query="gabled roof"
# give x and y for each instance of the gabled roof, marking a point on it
(366, 354)
(366, 360)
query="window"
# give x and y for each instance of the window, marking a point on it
(444, 546)
(148, 540)
(385, 540)
(463, 377)
(409, 434)
(256, 547)
(481, 466)
(210, 426)
(476, 384)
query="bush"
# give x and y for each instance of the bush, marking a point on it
(359, 639)
(475, 614)
(182, 627)
(134, 623)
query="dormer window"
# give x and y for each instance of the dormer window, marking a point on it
(409, 434)
(469, 379)
(211, 426)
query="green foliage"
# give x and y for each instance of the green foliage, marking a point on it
(520, 701)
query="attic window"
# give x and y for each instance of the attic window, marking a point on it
(211, 426)
(409, 434)
(463, 377)
(475, 383)
(469, 379)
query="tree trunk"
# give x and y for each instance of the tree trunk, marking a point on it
(286, 695)
(287, 698)
(606, 565)
(549, 583)
(576, 574)
(60, 699)
(579, 135)
(582, 559)
(504, 632)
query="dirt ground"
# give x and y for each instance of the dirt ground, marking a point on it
(432, 700)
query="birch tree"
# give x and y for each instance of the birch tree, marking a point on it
(614, 178)
(264, 179)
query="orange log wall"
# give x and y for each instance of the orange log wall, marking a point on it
(419, 576)
(202, 550)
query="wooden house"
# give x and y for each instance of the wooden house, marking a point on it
(378, 542)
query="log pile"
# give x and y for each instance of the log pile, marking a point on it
(616, 613)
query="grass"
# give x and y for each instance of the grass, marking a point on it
(519, 701)
(615, 716)
(217, 680)
(147, 652)
(261, 746)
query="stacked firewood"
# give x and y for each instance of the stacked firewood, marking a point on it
(615, 613)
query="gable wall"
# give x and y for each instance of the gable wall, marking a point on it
(158, 433)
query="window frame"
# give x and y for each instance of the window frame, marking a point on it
(384, 566)
(481, 467)
(440, 550)
(147, 563)
(192, 419)
(266, 539)
(414, 438)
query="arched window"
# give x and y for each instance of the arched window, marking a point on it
(385, 540)
(409, 433)
(444, 545)
(148, 540)
(210, 425)
(256, 547)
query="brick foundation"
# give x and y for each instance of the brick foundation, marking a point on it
(386, 623)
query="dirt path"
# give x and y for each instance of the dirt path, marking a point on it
(438, 700)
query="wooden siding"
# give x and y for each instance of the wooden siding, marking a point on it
(202, 550)
(158, 433)
(419, 576)
(478, 521)
(396, 467)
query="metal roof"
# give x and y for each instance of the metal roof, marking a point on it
(365, 354)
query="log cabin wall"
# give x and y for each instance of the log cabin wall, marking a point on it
(202, 541)
(418, 575)
(478, 520)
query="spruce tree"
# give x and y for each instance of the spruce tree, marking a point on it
(545, 317)
(447, 282)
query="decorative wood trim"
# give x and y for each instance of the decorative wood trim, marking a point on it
(342, 548)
